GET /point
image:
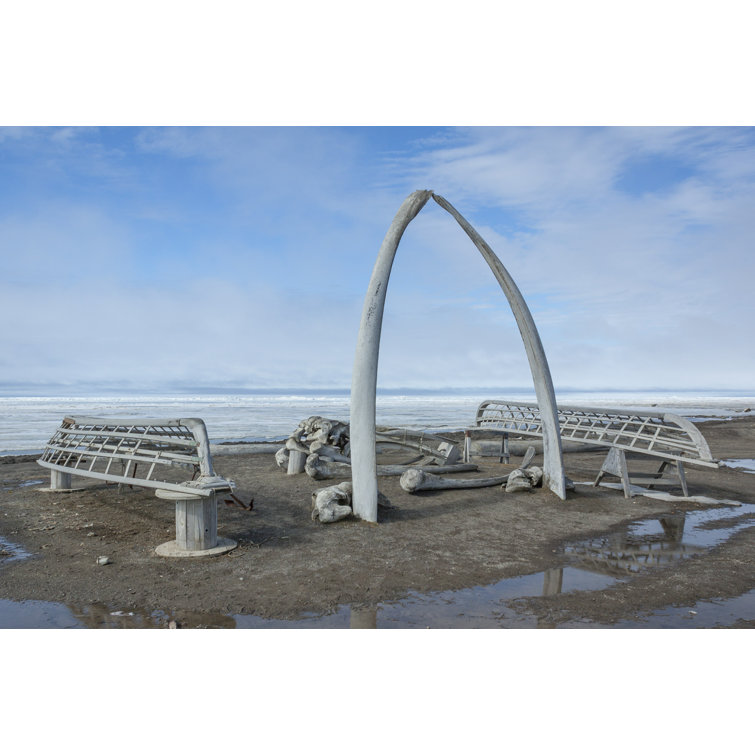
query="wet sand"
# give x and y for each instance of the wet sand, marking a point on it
(287, 565)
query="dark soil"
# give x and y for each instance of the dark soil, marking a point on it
(287, 564)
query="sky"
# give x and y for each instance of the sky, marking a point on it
(235, 258)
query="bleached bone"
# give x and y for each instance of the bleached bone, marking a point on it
(296, 462)
(293, 444)
(450, 451)
(332, 503)
(331, 452)
(528, 457)
(364, 374)
(319, 468)
(394, 470)
(297, 457)
(414, 440)
(330, 431)
(414, 480)
(536, 476)
(281, 457)
(524, 479)
(518, 482)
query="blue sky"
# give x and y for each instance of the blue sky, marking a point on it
(161, 258)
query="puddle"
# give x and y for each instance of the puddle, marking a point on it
(13, 484)
(35, 614)
(593, 564)
(662, 540)
(705, 614)
(472, 608)
(11, 552)
(743, 465)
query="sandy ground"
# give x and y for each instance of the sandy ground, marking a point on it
(286, 564)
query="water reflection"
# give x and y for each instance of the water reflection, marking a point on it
(13, 484)
(553, 581)
(101, 616)
(10, 551)
(630, 551)
(659, 541)
(363, 618)
(594, 565)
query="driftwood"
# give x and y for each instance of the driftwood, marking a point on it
(416, 479)
(320, 468)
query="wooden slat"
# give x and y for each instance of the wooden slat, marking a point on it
(643, 432)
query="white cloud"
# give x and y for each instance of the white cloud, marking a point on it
(628, 289)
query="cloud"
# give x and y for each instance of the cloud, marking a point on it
(242, 256)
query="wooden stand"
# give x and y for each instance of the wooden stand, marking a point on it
(60, 482)
(616, 465)
(196, 527)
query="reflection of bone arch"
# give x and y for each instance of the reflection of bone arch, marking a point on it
(364, 377)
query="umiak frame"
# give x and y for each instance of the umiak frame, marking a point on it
(364, 376)
(139, 452)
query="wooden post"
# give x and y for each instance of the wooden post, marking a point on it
(296, 462)
(553, 580)
(197, 523)
(616, 464)
(60, 480)
(363, 618)
(196, 526)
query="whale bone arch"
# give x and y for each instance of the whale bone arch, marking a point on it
(364, 375)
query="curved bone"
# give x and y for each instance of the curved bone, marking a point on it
(417, 479)
(414, 440)
(364, 375)
(319, 468)
(528, 457)
(553, 461)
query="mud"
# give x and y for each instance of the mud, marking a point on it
(288, 567)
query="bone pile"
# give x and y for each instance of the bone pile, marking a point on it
(320, 447)
(315, 437)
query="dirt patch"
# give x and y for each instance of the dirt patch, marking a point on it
(286, 564)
